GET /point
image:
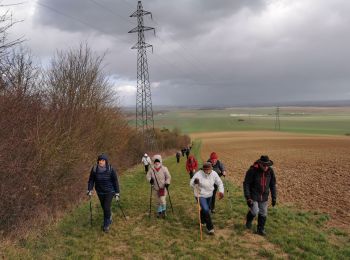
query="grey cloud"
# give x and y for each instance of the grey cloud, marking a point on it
(227, 52)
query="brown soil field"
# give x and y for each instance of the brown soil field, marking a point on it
(312, 171)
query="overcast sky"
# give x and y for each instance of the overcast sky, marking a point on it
(205, 52)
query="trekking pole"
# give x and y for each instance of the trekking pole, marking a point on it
(121, 209)
(199, 214)
(171, 205)
(228, 193)
(150, 202)
(90, 212)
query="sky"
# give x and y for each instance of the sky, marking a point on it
(205, 53)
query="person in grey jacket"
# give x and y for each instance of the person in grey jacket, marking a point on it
(105, 180)
(203, 184)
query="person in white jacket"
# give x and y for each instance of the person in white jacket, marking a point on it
(146, 160)
(203, 183)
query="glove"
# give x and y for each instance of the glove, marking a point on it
(117, 198)
(250, 203)
(196, 181)
(151, 181)
(221, 195)
(166, 185)
(273, 203)
(89, 193)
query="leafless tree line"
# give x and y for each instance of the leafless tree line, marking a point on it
(54, 122)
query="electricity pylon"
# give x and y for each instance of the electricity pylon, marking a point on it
(277, 120)
(144, 111)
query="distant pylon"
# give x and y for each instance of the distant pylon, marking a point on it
(144, 111)
(277, 120)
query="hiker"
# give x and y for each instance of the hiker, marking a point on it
(146, 160)
(159, 177)
(219, 167)
(105, 180)
(203, 182)
(178, 155)
(191, 165)
(187, 152)
(258, 181)
(183, 150)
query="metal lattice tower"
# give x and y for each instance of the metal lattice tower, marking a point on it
(144, 111)
(277, 120)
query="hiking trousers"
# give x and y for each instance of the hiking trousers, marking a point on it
(259, 207)
(205, 212)
(106, 201)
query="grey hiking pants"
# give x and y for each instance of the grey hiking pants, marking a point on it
(259, 208)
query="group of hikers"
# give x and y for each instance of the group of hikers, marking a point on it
(206, 182)
(184, 151)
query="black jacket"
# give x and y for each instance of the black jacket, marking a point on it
(105, 182)
(258, 183)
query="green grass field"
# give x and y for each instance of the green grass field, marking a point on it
(335, 121)
(292, 233)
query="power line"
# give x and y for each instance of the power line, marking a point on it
(109, 10)
(70, 17)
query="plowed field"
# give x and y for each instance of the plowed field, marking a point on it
(313, 172)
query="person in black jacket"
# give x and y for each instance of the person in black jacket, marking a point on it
(105, 180)
(258, 181)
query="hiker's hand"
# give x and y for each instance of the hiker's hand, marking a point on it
(117, 198)
(166, 185)
(221, 195)
(250, 203)
(151, 181)
(273, 203)
(196, 181)
(224, 174)
(89, 193)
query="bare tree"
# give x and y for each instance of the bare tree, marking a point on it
(6, 22)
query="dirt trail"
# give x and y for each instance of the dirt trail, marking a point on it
(312, 170)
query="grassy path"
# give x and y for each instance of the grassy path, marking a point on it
(291, 234)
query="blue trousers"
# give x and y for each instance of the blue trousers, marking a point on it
(205, 212)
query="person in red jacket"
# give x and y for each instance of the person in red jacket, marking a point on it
(191, 165)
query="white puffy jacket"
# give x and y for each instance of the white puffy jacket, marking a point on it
(206, 183)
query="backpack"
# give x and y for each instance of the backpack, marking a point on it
(95, 168)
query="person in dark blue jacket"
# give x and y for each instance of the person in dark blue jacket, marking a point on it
(105, 180)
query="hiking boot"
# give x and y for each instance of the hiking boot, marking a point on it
(261, 232)
(106, 229)
(210, 232)
(261, 225)
(163, 214)
(249, 222)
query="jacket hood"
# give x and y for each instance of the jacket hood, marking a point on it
(159, 157)
(191, 157)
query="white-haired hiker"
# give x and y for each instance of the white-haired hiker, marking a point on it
(159, 177)
(146, 160)
(204, 181)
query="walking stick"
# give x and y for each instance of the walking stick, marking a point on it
(90, 212)
(228, 193)
(199, 214)
(171, 205)
(150, 202)
(121, 209)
